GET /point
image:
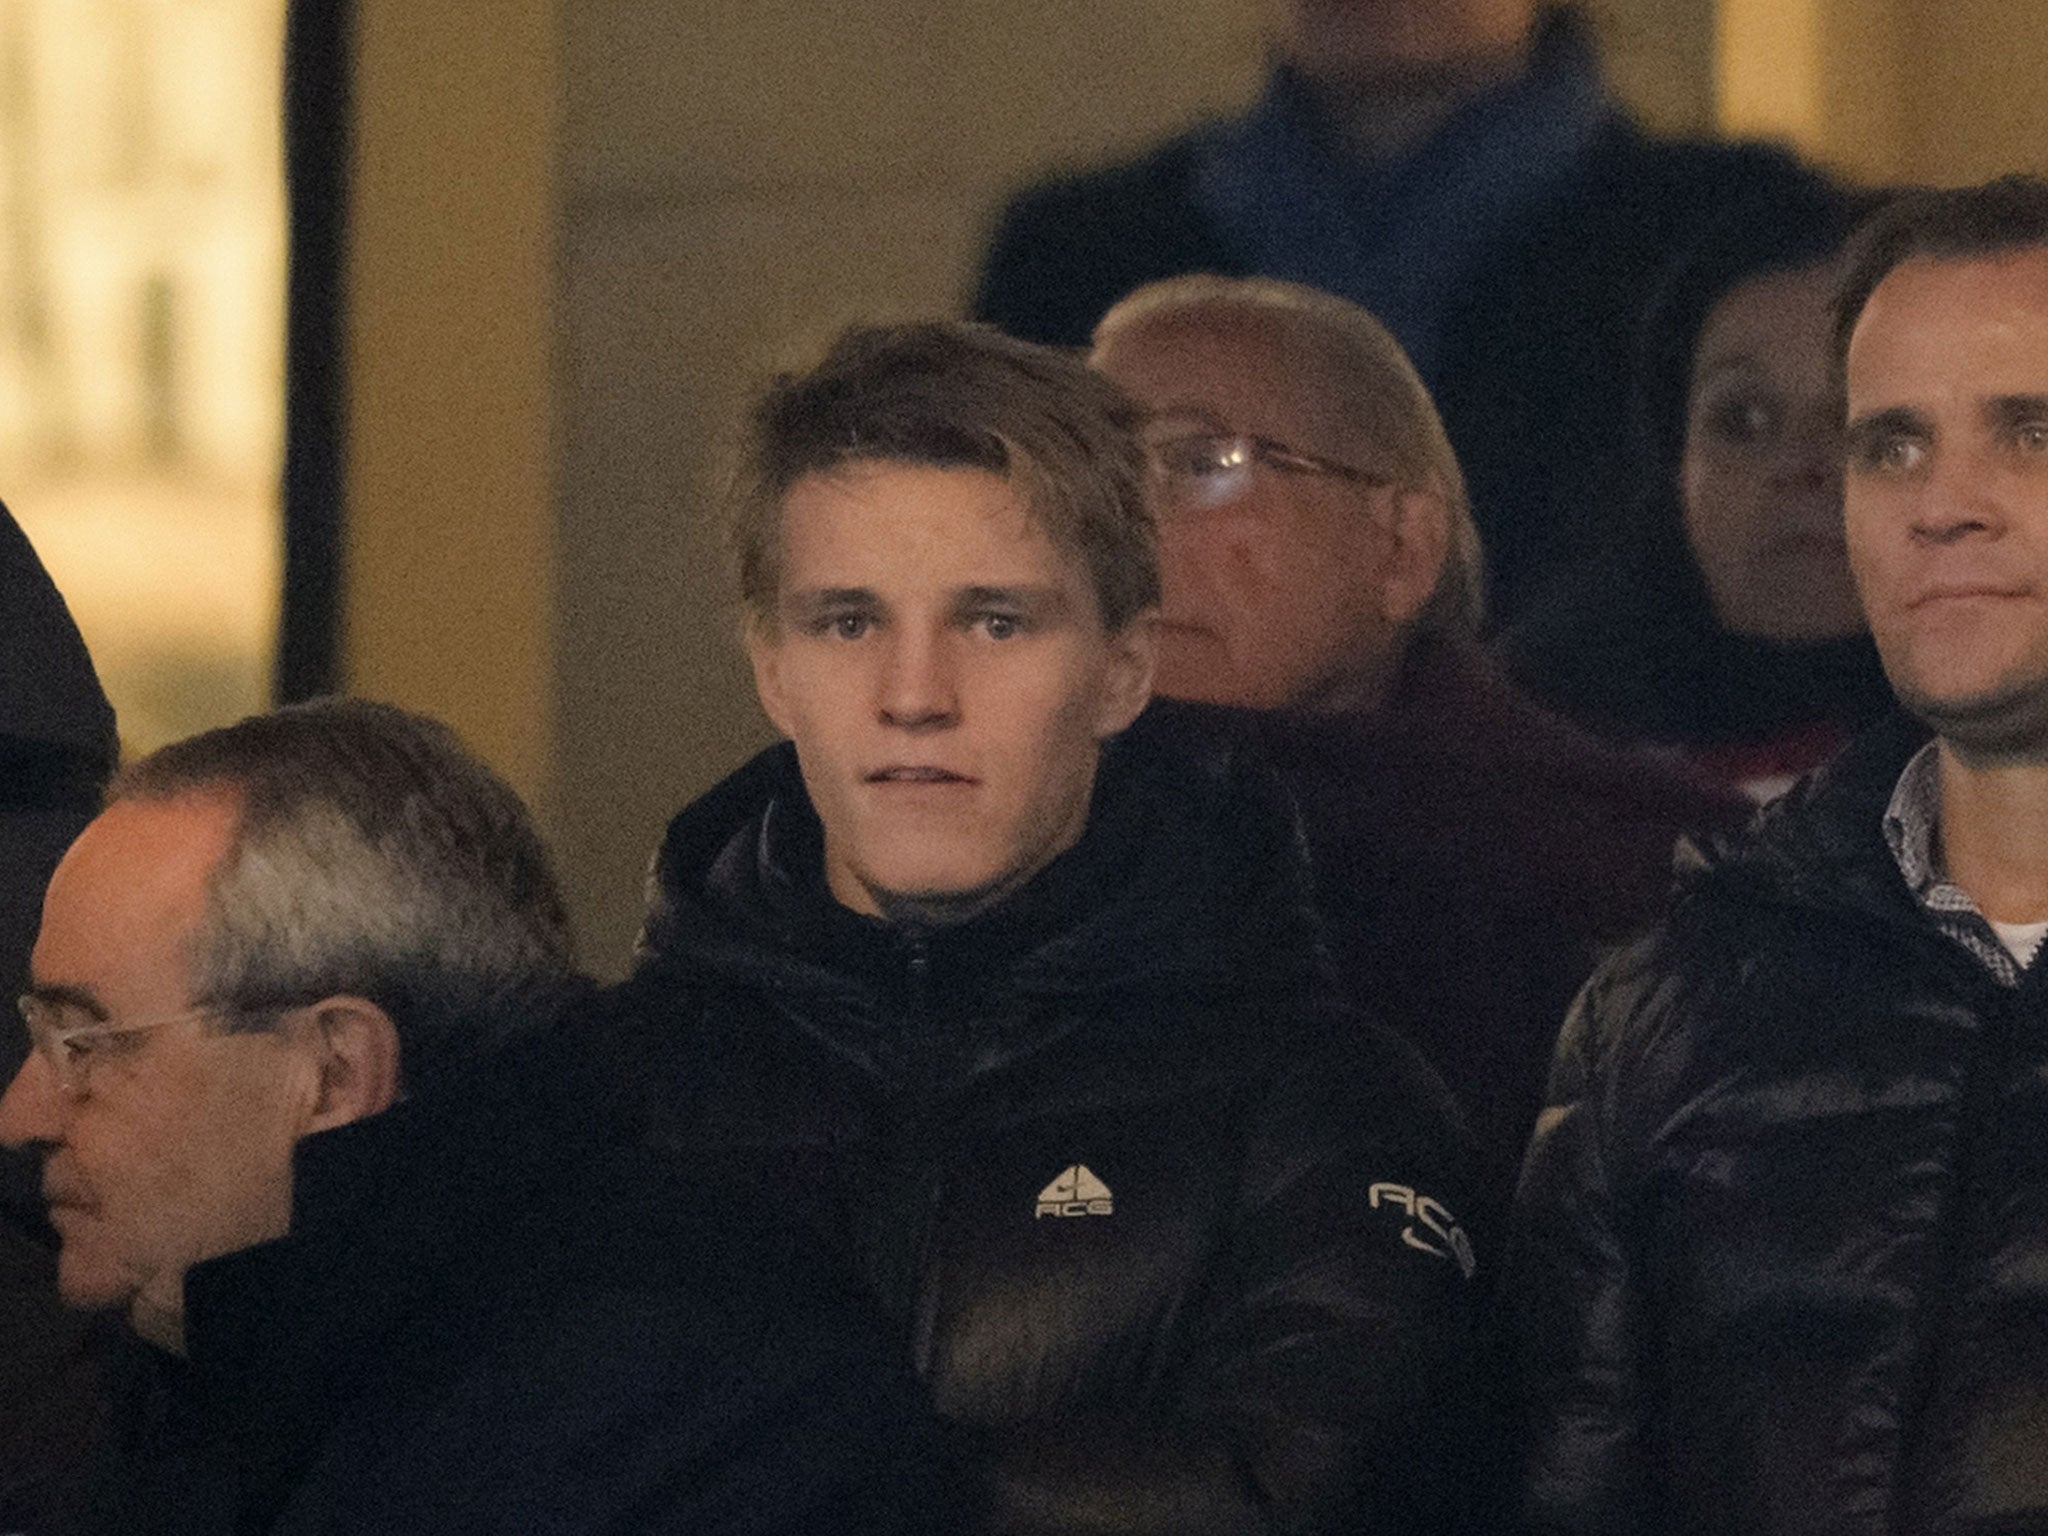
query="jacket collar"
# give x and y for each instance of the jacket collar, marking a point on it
(399, 1223)
(1289, 206)
(1821, 844)
(1189, 878)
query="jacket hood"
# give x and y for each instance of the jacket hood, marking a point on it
(1190, 877)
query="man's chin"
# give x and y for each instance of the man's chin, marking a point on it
(89, 1287)
(1993, 727)
(938, 904)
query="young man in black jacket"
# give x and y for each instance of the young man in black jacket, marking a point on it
(1017, 1001)
(1782, 1249)
(309, 1115)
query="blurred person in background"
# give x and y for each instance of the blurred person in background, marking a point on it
(1459, 169)
(1472, 853)
(57, 746)
(1721, 624)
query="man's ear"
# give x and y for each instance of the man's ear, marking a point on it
(764, 651)
(1419, 529)
(358, 1053)
(1127, 686)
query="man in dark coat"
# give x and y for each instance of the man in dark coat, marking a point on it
(56, 749)
(1473, 854)
(1782, 1252)
(1022, 1000)
(308, 1104)
(1458, 169)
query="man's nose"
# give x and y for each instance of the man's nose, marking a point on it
(1957, 501)
(32, 1109)
(919, 688)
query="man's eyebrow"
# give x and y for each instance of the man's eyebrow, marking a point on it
(1037, 597)
(2015, 410)
(1894, 421)
(58, 995)
(813, 599)
(1201, 418)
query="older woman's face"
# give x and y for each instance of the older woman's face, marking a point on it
(1760, 481)
(1362, 40)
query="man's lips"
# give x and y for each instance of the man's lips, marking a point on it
(1962, 591)
(919, 773)
(1183, 630)
(62, 1203)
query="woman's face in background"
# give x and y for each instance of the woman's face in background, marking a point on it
(1760, 481)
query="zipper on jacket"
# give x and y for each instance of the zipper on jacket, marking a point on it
(1988, 1071)
(915, 1161)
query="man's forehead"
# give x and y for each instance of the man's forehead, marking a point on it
(138, 874)
(1251, 368)
(882, 524)
(1952, 326)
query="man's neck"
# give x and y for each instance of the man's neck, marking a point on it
(1994, 835)
(1381, 118)
(159, 1323)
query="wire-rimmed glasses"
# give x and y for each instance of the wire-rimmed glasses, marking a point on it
(1203, 469)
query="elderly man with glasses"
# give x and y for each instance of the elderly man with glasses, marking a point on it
(304, 1080)
(1321, 569)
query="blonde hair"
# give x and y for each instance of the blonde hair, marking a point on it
(958, 395)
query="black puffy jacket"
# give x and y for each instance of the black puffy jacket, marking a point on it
(485, 1324)
(1781, 1249)
(1172, 1247)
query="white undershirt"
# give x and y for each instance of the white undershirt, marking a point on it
(2020, 939)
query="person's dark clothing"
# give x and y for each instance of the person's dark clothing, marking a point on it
(1474, 859)
(1781, 1252)
(1173, 1246)
(1511, 256)
(472, 1327)
(57, 747)
(1630, 649)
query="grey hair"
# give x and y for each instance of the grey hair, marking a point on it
(1379, 392)
(372, 856)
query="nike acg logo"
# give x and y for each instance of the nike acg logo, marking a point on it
(1076, 1192)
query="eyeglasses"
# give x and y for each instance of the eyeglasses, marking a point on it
(72, 1050)
(1206, 470)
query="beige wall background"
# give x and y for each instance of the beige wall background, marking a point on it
(585, 230)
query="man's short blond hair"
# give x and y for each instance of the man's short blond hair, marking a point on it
(956, 395)
(1376, 390)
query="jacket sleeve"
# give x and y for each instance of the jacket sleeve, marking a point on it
(1573, 1292)
(1331, 1382)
